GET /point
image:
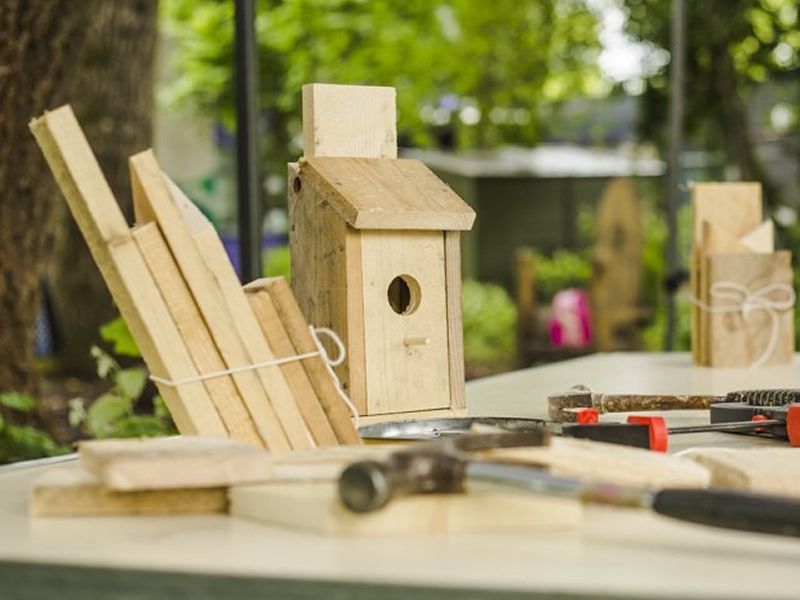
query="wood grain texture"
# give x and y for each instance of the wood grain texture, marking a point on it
(245, 323)
(71, 491)
(106, 232)
(195, 333)
(326, 279)
(303, 392)
(349, 120)
(763, 470)
(153, 202)
(325, 388)
(379, 193)
(400, 377)
(315, 508)
(174, 462)
(455, 324)
(737, 340)
(762, 238)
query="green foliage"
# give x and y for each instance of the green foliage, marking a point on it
(277, 263)
(23, 442)
(114, 413)
(489, 324)
(561, 271)
(479, 69)
(116, 333)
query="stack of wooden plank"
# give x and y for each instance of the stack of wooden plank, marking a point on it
(179, 294)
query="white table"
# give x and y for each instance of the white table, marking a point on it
(616, 554)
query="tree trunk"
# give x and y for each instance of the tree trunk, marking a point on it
(111, 91)
(38, 41)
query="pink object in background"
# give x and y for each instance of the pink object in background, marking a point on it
(570, 323)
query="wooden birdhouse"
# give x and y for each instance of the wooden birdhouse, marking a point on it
(375, 253)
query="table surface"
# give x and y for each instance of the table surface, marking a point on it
(631, 554)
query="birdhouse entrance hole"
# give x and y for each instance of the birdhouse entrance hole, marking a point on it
(404, 294)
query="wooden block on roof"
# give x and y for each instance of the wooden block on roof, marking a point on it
(193, 329)
(106, 233)
(375, 193)
(71, 491)
(349, 120)
(173, 462)
(315, 508)
(245, 323)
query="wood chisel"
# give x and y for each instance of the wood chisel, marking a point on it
(445, 466)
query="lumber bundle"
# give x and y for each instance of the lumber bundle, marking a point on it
(200, 333)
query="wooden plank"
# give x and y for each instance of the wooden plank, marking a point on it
(326, 279)
(315, 507)
(304, 394)
(153, 201)
(174, 462)
(455, 326)
(380, 193)
(324, 386)
(762, 238)
(71, 491)
(403, 376)
(736, 340)
(245, 322)
(103, 226)
(349, 120)
(763, 470)
(195, 333)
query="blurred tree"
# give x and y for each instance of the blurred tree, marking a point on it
(733, 45)
(475, 70)
(39, 40)
(111, 89)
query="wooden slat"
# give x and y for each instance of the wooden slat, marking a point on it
(381, 193)
(455, 326)
(245, 322)
(325, 387)
(103, 226)
(195, 333)
(295, 374)
(153, 202)
(349, 120)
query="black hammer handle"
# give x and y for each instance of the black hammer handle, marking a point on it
(744, 511)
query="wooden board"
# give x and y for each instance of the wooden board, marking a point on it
(244, 322)
(316, 508)
(455, 324)
(326, 280)
(303, 392)
(70, 491)
(380, 193)
(736, 340)
(762, 238)
(402, 376)
(325, 387)
(195, 333)
(106, 233)
(349, 120)
(765, 470)
(174, 462)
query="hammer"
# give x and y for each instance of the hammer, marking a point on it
(445, 466)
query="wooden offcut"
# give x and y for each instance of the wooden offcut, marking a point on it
(102, 224)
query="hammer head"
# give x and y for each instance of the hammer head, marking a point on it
(435, 467)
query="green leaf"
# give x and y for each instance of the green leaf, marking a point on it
(130, 382)
(25, 443)
(160, 409)
(104, 411)
(141, 426)
(105, 363)
(17, 401)
(117, 334)
(77, 411)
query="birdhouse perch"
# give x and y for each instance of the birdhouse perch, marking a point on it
(375, 250)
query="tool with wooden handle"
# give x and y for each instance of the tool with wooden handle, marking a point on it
(445, 467)
(571, 406)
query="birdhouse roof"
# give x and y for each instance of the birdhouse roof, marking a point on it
(386, 193)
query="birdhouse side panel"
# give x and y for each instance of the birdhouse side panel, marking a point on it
(326, 278)
(405, 321)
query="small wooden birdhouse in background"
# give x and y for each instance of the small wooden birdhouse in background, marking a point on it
(375, 252)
